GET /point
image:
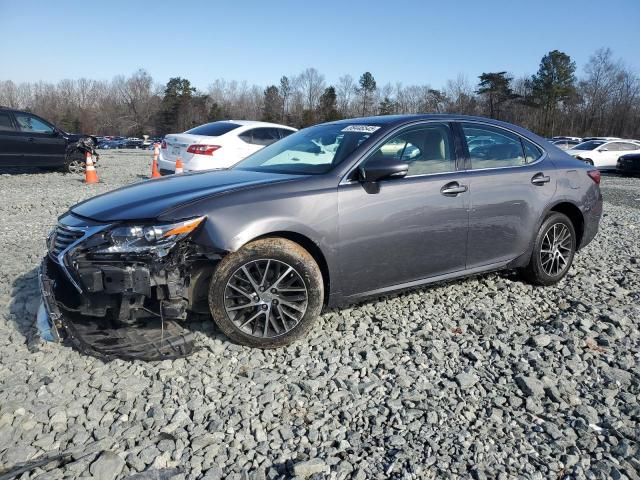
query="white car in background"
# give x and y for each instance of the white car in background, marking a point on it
(604, 154)
(218, 144)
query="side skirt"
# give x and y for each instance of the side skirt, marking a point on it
(358, 297)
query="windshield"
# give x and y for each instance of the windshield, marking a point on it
(314, 150)
(590, 145)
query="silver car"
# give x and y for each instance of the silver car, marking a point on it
(332, 214)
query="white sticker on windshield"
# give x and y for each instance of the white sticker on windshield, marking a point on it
(360, 128)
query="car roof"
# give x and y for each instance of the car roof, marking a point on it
(392, 121)
(14, 110)
(255, 123)
(388, 120)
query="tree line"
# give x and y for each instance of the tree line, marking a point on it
(603, 99)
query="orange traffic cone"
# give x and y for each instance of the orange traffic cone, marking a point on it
(90, 174)
(179, 167)
(154, 166)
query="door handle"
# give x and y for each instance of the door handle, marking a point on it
(452, 189)
(31, 139)
(540, 179)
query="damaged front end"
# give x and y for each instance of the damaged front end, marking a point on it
(124, 290)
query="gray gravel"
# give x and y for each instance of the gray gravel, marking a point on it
(487, 377)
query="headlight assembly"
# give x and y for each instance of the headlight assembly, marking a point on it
(153, 238)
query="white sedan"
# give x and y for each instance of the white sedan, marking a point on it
(604, 154)
(218, 144)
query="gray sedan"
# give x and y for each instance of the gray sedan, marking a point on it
(332, 214)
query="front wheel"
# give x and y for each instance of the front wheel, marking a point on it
(267, 294)
(588, 161)
(74, 164)
(553, 251)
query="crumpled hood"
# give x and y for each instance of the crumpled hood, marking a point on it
(148, 199)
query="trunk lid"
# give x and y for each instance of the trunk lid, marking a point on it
(177, 144)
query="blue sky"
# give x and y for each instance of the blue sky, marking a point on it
(411, 41)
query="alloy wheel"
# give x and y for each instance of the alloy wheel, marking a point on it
(76, 167)
(555, 250)
(265, 298)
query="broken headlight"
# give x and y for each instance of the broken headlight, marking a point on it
(152, 238)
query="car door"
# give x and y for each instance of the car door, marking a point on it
(510, 183)
(10, 151)
(41, 143)
(611, 152)
(411, 228)
(607, 155)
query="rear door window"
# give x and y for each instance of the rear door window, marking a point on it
(6, 124)
(504, 150)
(284, 132)
(531, 151)
(261, 136)
(31, 124)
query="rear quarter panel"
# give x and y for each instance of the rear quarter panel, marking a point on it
(576, 187)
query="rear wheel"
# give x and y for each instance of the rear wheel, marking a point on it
(267, 294)
(588, 161)
(553, 251)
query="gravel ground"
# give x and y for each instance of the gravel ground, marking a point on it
(487, 377)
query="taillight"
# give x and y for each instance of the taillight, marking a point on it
(164, 145)
(202, 149)
(595, 175)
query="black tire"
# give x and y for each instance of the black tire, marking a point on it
(283, 253)
(74, 163)
(588, 161)
(540, 269)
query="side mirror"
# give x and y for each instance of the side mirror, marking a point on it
(383, 168)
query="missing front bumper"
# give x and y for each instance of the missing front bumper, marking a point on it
(148, 339)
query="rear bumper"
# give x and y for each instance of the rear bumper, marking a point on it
(166, 166)
(196, 163)
(592, 218)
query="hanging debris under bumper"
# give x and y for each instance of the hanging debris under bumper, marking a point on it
(148, 339)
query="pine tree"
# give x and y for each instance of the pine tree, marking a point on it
(328, 105)
(177, 98)
(367, 88)
(387, 106)
(272, 104)
(553, 85)
(285, 91)
(496, 88)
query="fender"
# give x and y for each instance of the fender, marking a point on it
(232, 241)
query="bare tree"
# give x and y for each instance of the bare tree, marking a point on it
(606, 101)
(311, 83)
(345, 91)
